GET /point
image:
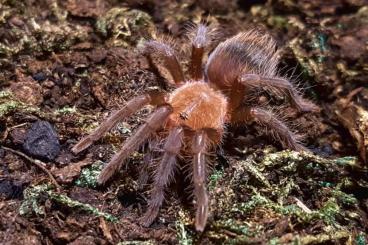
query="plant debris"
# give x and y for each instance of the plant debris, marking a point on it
(31, 205)
(71, 63)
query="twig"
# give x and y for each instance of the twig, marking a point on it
(36, 162)
(302, 206)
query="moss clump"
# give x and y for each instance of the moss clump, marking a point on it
(10, 104)
(299, 187)
(65, 200)
(32, 202)
(137, 243)
(88, 176)
(124, 27)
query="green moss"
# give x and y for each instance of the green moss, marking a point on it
(255, 201)
(137, 243)
(321, 238)
(124, 26)
(67, 201)
(66, 110)
(292, 157)
(43, 36)
(9, 104)
(278, 21)
(319, 42)
(346, 199)
(182, 235)
(282, 176)
(214, 178)
(88, 176)
(235, 226)
(5, 94)
(255, 171)
(361, 239)
(31, 202)
(7, 107)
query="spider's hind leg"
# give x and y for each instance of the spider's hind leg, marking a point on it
(279, 130)
(163, 174)
(301, 104)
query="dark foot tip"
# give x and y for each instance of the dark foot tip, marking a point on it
(145, 221)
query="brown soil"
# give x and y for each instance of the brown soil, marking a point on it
(71, 63)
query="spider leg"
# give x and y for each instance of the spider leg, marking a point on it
(279, 130)
(167, 54)
(199, 147)
(200, 39)
(154, 122)
(148, 159)
(163, 174)
(132, 106)
(301, 104)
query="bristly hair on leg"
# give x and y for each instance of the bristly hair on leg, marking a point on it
(190, 120)
(199, 149)
(153, 123)
(163, 174)
(200, 36)
(164, 50)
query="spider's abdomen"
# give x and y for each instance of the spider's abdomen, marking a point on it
(197, 105)
(251, 52)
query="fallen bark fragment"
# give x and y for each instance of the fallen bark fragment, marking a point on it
(352, 112)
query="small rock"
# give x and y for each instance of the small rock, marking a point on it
(39, 76)
(10, 189)
(42, 141)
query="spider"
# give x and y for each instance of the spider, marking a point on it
(193, 116)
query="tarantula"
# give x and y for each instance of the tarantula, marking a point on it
(194, 115)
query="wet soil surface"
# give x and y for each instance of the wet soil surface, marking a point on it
(66, 65)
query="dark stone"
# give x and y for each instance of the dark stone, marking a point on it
(39, 77)
(10, 189)
(42, 141)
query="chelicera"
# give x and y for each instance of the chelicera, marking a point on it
(193, 118)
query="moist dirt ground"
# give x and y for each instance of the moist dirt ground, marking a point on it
(66, 65)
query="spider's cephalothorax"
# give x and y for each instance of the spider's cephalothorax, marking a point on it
(196, 112)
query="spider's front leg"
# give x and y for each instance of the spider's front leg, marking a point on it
(301, 104)
(200, 38)
(153, 123)
(279, 130)
(199, 149)
(163, 174)
(133, 105)
(165, 52)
